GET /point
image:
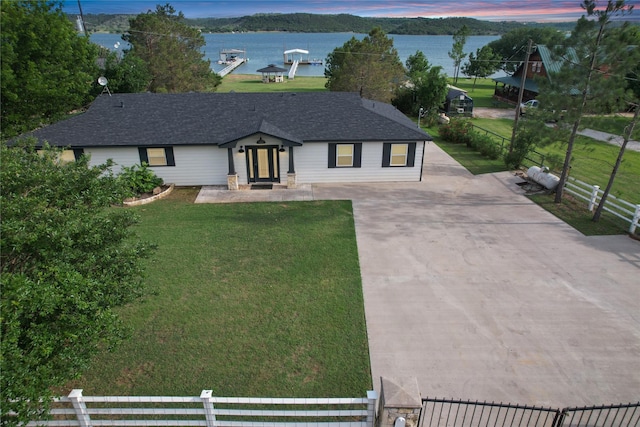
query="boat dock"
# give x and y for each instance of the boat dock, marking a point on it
(232, 58)
(231, 66)
(290, 57)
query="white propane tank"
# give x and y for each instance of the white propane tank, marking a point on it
(543, 177)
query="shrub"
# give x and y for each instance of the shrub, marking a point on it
(140, 179)
(457, 131)
(524, 142)
(486, 146)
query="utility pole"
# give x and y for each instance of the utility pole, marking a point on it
(523, 79)
(84, 26)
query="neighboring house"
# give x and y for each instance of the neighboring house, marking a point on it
(541, 65)
(247, 138)
(458, 103)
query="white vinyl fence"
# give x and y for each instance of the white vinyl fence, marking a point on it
(618, 207)
(208, 411)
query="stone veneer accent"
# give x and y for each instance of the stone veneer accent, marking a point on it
(291, 180)
(232, 182)
(399, 397)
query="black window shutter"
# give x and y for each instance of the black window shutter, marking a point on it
(386, 154)
(357, 154)
(411, 154)
(332, 155)
(143, 155)
(77, 153)
(168, 152)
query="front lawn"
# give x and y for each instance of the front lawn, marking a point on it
(252, 299)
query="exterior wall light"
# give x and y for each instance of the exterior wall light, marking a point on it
(241, 150)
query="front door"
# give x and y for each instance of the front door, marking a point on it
(262, 164)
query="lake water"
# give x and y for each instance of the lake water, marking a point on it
(263, 49)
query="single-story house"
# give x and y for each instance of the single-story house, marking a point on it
(458, 102)
(247, 138)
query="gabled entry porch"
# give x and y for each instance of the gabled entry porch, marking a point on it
(260, 162)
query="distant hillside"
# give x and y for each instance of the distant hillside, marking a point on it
(313, 23)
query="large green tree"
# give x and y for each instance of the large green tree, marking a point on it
(426, 89)
(484, 63)
(457, 50)
(126, 74)
(47, 68)
(370, 66)
(592, 77)
(67, 259)
(172, 51)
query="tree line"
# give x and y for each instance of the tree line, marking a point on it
(315, 23)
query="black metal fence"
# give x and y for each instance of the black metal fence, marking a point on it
(625, 415)
(459, 413)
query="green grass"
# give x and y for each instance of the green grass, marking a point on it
(611, 124)
(472, 160)
(593, 162)
(253, 83)
(482, 92)
(252, 299)
(574, 212)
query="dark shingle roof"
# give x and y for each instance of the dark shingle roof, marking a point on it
(218, 118)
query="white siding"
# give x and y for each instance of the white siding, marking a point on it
(195, 165)
(312, 165)
(207, 165)
(123, 156)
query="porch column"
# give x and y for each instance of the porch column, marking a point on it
(291, 167)
(232, 166)
(291, 173)
(232, 176)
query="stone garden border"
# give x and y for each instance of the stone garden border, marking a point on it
(146, 200)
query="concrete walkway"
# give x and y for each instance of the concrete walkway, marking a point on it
(481, 294)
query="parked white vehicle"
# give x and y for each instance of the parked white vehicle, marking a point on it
(532, 103)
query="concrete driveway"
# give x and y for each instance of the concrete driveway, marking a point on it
(481, 294)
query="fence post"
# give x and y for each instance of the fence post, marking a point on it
(635, 220)
(399, 398)
(207, 402)
(372, 396)
(594, 197)
(81, 409)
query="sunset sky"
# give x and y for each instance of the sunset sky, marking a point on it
(489, 10)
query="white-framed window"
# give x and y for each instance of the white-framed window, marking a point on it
(157, 156)
(536, 67)
(65, 156)
(344, 155)
(399, 154)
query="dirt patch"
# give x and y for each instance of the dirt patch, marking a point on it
(493, 113)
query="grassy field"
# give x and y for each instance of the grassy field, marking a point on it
(252, 299)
